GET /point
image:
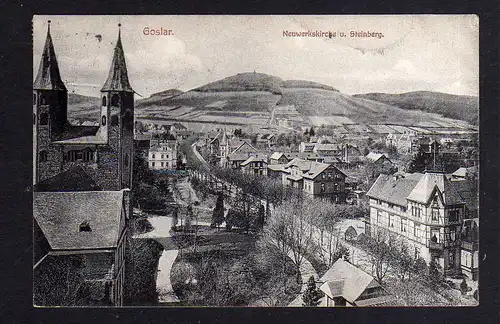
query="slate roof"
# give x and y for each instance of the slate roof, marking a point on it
(424, 189)
(74, 179)
(468, 191)
(390, 189)
(48, 76)
(258, 158)
(354, 281)
(310, 169)
(118, 77)
(238, 156)
(59, 215)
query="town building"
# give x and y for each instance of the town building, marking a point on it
(162, 155)
(345, 285)
(378, 158)
(429, 212)
(315, 178)
(256, 164)
(82, 177)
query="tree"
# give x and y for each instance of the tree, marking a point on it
(463, 287)
(381, 252)
(218, 214)
(312, 295)
(435, 273)
(311, 132)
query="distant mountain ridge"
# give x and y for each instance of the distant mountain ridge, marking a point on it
(252, 81)
(459, 107)
(167, 93)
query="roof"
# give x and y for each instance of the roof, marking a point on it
(257, 158)
(394, 189)
(327, 147)
(118, 77)
(464, 172)
(60, 214)
(275, 167)
(374, 157)
(48, 76)
(468, 191)
(427, 185)
(354, 281)
(276, 155)
(74, 179)
(311, 169)
(238, 156)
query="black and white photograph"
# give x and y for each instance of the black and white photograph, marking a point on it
(255, 161)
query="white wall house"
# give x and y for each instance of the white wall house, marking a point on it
(163, 156)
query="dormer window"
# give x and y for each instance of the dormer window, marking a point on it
(84, 227)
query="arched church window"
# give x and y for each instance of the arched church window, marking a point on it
(114, 120)
(43, 100)
(43, 156)
(115, 100)
(103, 120)
(44, 119)
(104, 101)
(34, 119)
(34, 99)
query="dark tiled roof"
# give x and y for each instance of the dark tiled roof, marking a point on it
(390, 189)
(118, 76)
(468, 191)
(75, 179)
(73, 132)
(60, 214)
(48, 76)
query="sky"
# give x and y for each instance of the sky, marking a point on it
(416, 52)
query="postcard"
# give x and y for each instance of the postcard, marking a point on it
(255, 161)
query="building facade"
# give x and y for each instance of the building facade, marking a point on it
(163, 156)
(426, 211)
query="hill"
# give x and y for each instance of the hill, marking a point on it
(306, 85)
(83, 107)
(167, 93)
(464, 108)
(245, 82)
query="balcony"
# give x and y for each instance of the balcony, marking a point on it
(435, 245)
(470, 246)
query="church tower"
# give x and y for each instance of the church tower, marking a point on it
(50, 110)
(117, 116)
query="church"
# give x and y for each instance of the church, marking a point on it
(82, 179)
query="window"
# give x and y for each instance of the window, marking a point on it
(162, 164)
(416, 230)
(435, 235)
(34, 119)
(417, 252)
(34, 99)
(329, 175)
(453, 215)
(378, 216)
(84, 227)
(162, 156)
(391, 220)
(453, 234)
(434, 214)
(336, 187)
(403, 225)
(152, 164)
(43, 156)
(322, 187)
(44, 119)
(152, 156)
(76, 155)
(43, 100)
(103, 120)
(115, 100)
(104, 101)
(167, 156)
(126, 159)
(114, 120)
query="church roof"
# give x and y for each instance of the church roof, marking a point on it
(118, 76)
(75, 179)
(60, 214)
(48, 76)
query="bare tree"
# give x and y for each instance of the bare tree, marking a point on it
(381, 252)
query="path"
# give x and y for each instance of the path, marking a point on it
(161, 234)
(306, 271)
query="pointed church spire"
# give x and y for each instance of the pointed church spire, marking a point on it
(48, 77)
(118, 77)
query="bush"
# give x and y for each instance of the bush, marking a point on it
(463, 287)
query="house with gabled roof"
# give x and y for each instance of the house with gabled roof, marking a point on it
(429, 212)
(347, 285)
(315, 178)
(255, 164)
